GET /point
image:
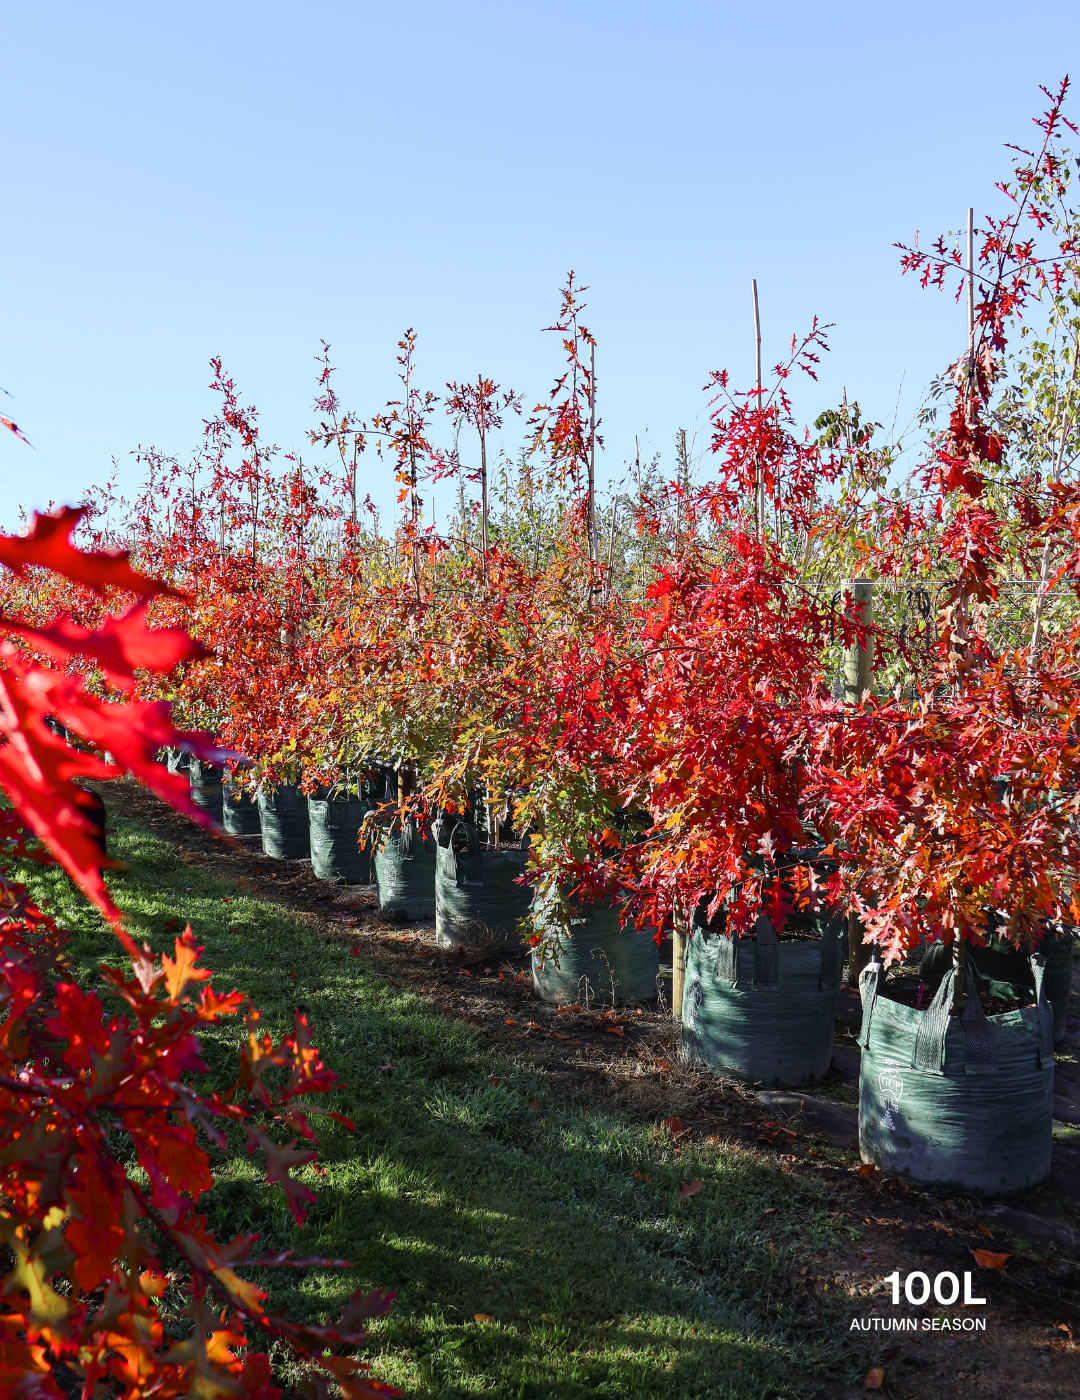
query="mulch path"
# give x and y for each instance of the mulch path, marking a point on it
(630, 1055)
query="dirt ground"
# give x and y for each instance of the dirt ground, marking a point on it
(1031, 1343)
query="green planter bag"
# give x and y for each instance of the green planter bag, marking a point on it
(335, 820)
(205, 780)
(957, 1103)
(283, 819)
(477, 903)
(178, 760)
(240, 811)
(600, 962)
(762, 1009)
(1007, 970)
(405, 874)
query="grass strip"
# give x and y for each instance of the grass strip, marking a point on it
(473, 1184)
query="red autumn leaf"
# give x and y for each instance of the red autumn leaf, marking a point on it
(615, 1030)
(345, 1122)
(691, 1188)
(13, 427)
(675, 1125)
(874, 1378)
(169, 1150)
(119, 645)
(987, 1259)
(280, 1161)
(78, 1018)
(48, 544)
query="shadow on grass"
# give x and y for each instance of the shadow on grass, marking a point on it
(458, 1195)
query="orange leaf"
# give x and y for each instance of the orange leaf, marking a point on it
(179, 973)
(642, 1176)
(984, 1229)
(987, 1259)
(691, 1188)
(615, 1030)
(483, 1317)
(535, 1104)
(675, 1125)
(874, 1378)
(866, 1171)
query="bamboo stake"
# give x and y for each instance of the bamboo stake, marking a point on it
(594, 553)
(759, 483)
(483, 474)
(971, 294)
(1044, 568)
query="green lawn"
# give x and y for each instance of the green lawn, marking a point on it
(462, 1199)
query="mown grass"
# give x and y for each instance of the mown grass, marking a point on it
(459, 1197)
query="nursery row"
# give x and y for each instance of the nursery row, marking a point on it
(812, 685)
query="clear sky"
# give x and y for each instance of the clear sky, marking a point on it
(242, 179)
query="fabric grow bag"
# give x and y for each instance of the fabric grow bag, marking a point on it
(206, 792)
(762, 1009)
(477, 903)
(240, 811)
(599, 962)
(178, 760)
(335, 820)
(405, 874)
(1000, 962)
(283, 819)
(957, 1103)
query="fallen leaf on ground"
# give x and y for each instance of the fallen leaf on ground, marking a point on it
(559, 1037)
(385, 1069)
(771, 1247)
(691, 1188)
(483, 1317)
(642, 1176)
(614, 1030)
(866, 1170)
(987, 1259)
(565, 1010)
(769, 1210)
(494, 1079)
(290, 974)
(985, 1230)
(345, 1122)
(874, 1378)
(509, 1022)
(664, 1065)
(675, 1125)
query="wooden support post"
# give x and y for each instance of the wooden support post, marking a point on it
(859, 661)
(678, 965)
(858, 679)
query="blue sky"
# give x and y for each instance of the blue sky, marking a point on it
(245, 179)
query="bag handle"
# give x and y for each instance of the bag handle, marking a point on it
(766, 954)
(475, 867)
(1044, 1010)
(868, 995)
